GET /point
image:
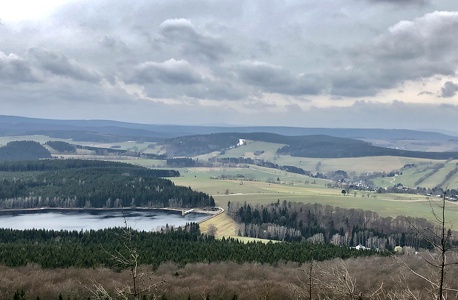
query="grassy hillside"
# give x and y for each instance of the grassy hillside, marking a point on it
(255, 149)
(261, 192)
(427, 174)
(317, 146)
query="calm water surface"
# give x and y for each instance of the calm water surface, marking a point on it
(86, 220)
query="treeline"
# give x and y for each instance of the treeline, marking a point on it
(120, 152)
(318, 223)
(99, 134)
(62, 147)
(83, 183)
(23, 150)
(332, 147)
(434, 169)
(261, 163)
(181, 162)
(62, 164)
(88, 249)
(449, 175)
(200, 144)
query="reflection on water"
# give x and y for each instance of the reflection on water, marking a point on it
(87, 220)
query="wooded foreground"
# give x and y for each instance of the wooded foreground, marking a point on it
(361, 278)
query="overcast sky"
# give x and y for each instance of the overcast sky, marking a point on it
(328, 63)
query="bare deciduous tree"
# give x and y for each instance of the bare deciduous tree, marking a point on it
(338, 283)
(140, 282)
(441, 255)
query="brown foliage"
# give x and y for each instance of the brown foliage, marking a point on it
(248, 281)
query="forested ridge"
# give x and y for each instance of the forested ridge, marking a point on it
(62, 147)
(84, 183)
(23, 150)
(317, 146)
(87, 249)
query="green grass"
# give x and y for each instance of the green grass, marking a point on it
(452, 182)
(263, 193)
(251, 147)
(436, 178)
(256, 180)
(388, 205)
(411, 176)
(357, 164)
(144, 162)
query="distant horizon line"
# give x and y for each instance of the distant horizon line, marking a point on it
(226, 125)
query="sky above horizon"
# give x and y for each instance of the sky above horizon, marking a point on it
(352, 63)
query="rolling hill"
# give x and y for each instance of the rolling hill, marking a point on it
(114, 131)
(313, 146)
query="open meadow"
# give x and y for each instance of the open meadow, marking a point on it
(300, 188)
(435, 173)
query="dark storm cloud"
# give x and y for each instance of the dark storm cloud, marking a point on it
(449, 89)
(58, 64)
(170, 72)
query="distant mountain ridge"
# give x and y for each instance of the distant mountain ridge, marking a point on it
(115, 131)
(316, 146)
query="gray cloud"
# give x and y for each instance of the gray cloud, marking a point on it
(217, 90)
(449, 89)
(58, 64)
(14, 69)
(232, 50)
(276, 79)
(410, 50)
(401, 2)
(170, 72)
(114, 44)
(263, 74)
(425, 93)
(193, 43)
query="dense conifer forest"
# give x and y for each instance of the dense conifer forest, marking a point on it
(88, 249)
(62, 147)
(98, 184)
(23, 150)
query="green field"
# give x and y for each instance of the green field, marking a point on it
(248, 151)
(259, 185)
(261, 192)
(255, 180)
(357, 164)
(411, 175)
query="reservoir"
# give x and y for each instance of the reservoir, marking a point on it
(141, 220)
